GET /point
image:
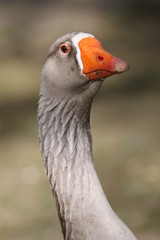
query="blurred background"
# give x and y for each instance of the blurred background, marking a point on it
(125, 117)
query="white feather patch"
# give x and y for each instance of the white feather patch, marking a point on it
(76, 39)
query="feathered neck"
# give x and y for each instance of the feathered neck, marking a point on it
(62, 131)
(65, 141)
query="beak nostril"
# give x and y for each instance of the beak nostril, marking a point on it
(100, 58)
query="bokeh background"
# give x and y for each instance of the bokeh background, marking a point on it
(125, 117)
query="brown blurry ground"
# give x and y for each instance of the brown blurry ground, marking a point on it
(125, 117)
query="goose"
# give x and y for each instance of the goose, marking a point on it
(74, 70)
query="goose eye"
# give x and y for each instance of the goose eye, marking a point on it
(64, 48)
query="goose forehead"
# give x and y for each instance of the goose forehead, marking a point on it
(79, 36)
(76, 39)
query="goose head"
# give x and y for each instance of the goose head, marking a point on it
(76, 61)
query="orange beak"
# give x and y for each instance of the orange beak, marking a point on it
(97, 63)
